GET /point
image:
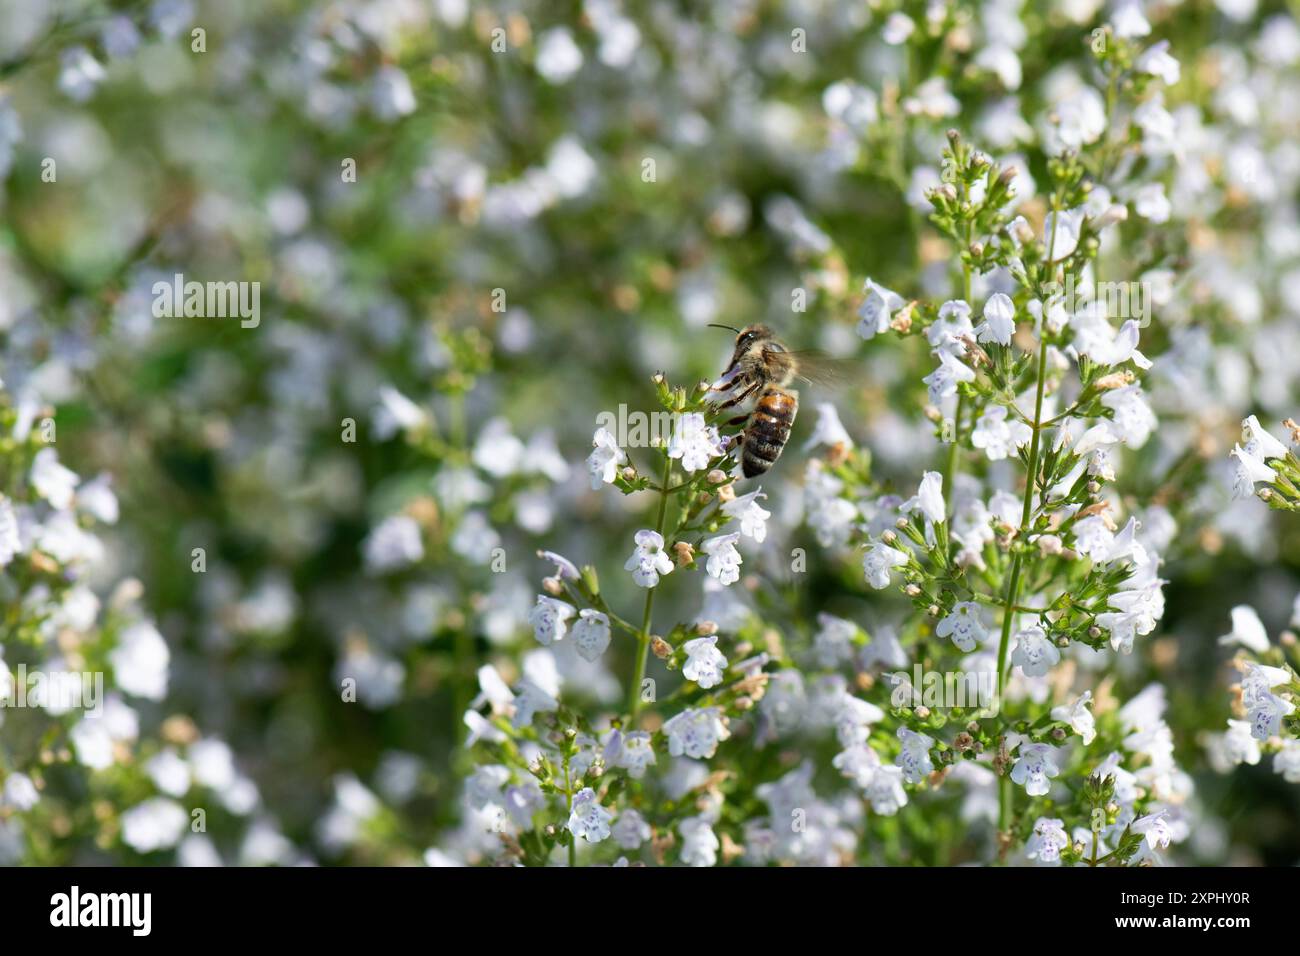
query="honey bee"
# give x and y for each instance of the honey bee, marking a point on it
(763, 365)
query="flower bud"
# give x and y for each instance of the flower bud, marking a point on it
(629, 473)
(717, 476)
(684, 553)
(911, 590)
(706, 628)
(552, 586)
(660, 648)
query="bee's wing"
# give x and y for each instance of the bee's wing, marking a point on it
(818, 368)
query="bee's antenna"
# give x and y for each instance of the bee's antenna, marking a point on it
(714, 325)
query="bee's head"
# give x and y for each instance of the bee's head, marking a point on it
(748, 337)
(752, 335)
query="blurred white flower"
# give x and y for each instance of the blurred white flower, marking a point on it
(52, 481)
(558, 57)
(141, 661)
(79, 74)
(156, 824)
(395, 543)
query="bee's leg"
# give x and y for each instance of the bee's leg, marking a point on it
(740, 398)
(728, 379)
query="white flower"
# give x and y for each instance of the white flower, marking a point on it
(587, 818)
(704, 662)
(52, 481)
(914, 758)
(877, 562)
(876, 309)
(549, 619)
(696, 733)
(394, 543)
(497, 450)
(1155, 828)
(699, 842)
(531, 701)
(156, 824)
(885, 791)
(856, 106)
(1150, 202)
(1247, 630)
(928, 498)
(1259, 443)
(10, 542)
(1239, 746)
(633, 751)
(964, 626)
(1035, 766)
(141, 661)
(858, 763)
(1249, 470)
(1129, 21)
(997, 436)
(694, 442)
(898, 27)
(391, 95)
(79, 74)
(1134, 421)
(999, 320)
(724, 560)
(833, 642)
(19, 792)
(1264, 709)
(948, 332)
(649, 560)
(829, 430)
(1034, 652)
(591, 634)
(558, 57)
(1287, 761)
(1079, 717)
(564, 568)
(631, 830)
(751, 515)
(854, 720)
(1061, 232)
(943, 381)
(604, 461)
(1079, 119)
(1047, 842)
(1157, 61)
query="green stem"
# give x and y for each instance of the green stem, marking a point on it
(950, 471)
(643, 641)
(573, 839)
(1013, 581)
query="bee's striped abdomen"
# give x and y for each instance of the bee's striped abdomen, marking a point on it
(768, 429)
